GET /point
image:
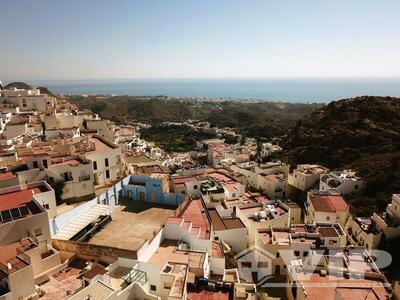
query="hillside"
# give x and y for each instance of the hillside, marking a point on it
(361, 133)
(261, 119)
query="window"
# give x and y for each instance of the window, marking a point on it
(263, 264)
(45, 163)
(38, 232)
(297, 253)
(305, 253)
(356, 187)
(95, 165)
(195, 187)
(328, 218)
(245, 264)
(233, 195)
(106, 162)
(167, 285)
(107, 174)
(35, 165)
(278, 254)
(153, 288)
(46, 206)
(67, 176)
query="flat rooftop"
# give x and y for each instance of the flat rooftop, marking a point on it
(275, 237)
(95, 291)
(64, 283)
(182, 180)
(17, 202)
(253, 198)
(327, 203)
(194, 294)
(336, 287)
(168, 252)
(275, 178)
(13, 199)
(102, 144)
(311, 169)
(133, 222)
(221, 178)
(224, 224)
(272, 210)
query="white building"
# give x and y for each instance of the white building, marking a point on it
(326, 207)
(106, 160)
(304, 177)
(26, 252)
(363, 232)
(258, 216)
(229, 230)
(345, 182)
(268, 149)
(104, 128)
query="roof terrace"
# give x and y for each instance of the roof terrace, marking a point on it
(19, 201)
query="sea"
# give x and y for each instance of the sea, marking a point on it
(299, 90)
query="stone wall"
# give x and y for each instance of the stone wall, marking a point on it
(92, 250)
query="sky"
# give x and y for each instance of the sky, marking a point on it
(98, 39)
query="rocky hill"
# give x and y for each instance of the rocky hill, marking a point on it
(361, 133)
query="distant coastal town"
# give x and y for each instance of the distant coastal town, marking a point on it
(99, 208)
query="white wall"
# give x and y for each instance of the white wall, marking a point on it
(235, 238)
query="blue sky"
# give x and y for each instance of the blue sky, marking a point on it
(97, 39)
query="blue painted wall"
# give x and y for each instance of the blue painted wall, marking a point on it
(138, 187)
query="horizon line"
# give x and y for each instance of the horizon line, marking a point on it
(211, 78)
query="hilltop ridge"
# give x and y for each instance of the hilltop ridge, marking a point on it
(362, 133)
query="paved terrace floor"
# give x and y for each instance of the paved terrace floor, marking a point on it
(63, 283)
(132, 223)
